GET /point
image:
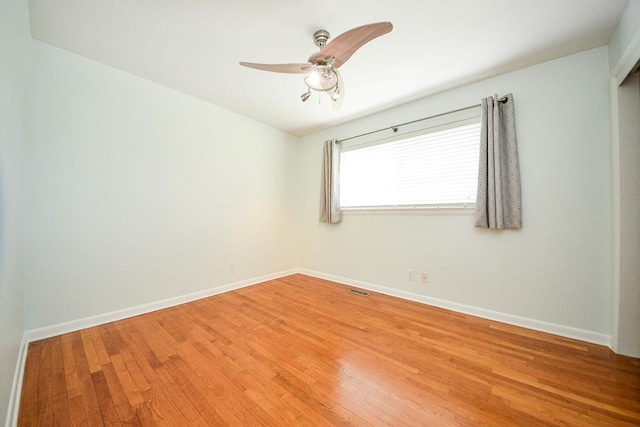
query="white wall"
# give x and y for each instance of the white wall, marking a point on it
(14, 70)
(135, 193)
(556, 270)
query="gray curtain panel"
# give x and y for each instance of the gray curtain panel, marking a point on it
(330, 185)
(499, 202)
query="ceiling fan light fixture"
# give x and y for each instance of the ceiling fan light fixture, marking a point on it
(321, 78)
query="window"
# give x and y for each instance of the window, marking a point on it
(433, 167)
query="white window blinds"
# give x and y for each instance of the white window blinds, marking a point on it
(436, 168)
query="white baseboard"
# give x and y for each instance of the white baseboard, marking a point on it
(16, 386)
(101, 319)
(537, 325)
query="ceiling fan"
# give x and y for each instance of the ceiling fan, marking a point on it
(321, 70)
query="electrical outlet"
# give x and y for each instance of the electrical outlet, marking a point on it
(424, 277)
(232, 267)
(410, 275)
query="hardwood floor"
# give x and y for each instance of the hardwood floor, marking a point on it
(303, 351)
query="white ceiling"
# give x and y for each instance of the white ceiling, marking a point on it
(194, 46)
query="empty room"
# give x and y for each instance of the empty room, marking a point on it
(320, 213)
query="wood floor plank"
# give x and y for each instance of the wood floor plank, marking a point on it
(45, 384)
(176, 370)
(228, 389)
(91, 406)
(180, 404)
(90, 352)
(72, 382)
(77, 412)
(156, 338)
(98, 345)
(218, 407)
(108, 408)
(135, 373)
(59, 385)
(111, 339)
(119, 393)
(304, 351)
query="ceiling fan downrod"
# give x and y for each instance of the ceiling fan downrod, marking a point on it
(320, 38)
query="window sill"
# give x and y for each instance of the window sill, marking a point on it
(408, 210)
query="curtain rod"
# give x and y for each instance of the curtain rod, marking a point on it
(395, 128)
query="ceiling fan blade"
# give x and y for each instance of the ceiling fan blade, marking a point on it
(279, 68)
(345, 45)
